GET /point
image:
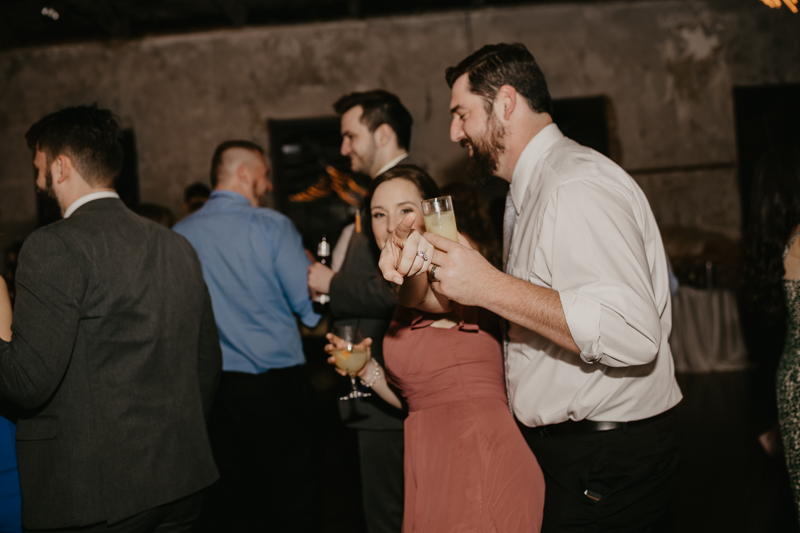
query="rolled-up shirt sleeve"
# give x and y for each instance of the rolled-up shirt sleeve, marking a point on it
(598, 263)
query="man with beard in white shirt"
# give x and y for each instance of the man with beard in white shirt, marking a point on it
(585, 292)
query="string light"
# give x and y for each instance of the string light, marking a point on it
(332, 181)
(50, 12)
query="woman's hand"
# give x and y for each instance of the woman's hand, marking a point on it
(336, 342)
(406, 252)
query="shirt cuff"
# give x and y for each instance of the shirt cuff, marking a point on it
(309, 318)
(583, 321)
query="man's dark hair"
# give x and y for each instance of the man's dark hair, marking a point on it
(380, 107)
(496, 65)
(90, 137)
(216, 161)
(196, 190)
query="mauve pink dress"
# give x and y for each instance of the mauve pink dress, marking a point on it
(467, 466)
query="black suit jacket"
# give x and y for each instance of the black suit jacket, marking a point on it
(114, 356)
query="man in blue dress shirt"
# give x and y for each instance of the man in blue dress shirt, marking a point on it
(263, 422)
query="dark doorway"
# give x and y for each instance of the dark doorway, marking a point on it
(313, 183)
(585, 121)
(766, 117)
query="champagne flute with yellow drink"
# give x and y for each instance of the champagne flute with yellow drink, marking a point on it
(440, 217)
(351, 358)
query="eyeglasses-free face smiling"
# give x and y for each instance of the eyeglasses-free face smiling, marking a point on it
(391, 202)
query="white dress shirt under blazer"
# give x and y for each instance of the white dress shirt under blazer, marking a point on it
(585, 229)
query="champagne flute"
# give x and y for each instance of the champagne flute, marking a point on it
(440, 217)
(351, 359)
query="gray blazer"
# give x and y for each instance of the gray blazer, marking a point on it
(114, 356)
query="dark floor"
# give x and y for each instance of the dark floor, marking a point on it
(727, 483)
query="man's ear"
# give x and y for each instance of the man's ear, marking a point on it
(61, 168)
(242, 174)
(506, 101)
(384, 135)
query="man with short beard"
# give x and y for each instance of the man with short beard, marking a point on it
(114, 354)
(585, 291)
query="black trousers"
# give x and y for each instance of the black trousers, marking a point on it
(264, 431)
(631, 471)
(173, 517)
(381, 461)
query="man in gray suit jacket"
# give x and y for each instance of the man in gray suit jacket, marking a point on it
(114, 352)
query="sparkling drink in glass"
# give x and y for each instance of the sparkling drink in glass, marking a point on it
(351, 358)
(440, 217)
(351, 361)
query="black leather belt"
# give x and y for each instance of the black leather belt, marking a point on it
(571, 427)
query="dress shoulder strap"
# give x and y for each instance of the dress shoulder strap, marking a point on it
(790, 243)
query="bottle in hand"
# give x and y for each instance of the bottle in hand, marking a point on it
(320, 304)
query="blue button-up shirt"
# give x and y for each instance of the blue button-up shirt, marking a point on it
(256, 271)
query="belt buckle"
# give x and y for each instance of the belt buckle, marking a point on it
(608, 426)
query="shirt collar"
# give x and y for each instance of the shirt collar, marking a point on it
(88, 198)
(229, 194)
(523, 170)
(391, 164)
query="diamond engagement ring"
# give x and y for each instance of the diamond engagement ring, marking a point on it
(422, 254)
(433, 272)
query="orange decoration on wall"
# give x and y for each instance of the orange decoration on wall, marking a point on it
(332, 181)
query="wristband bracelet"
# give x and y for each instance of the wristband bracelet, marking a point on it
(376, 375)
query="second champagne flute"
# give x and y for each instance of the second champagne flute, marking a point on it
(351, 359)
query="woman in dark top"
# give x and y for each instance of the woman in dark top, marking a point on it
(772, 271)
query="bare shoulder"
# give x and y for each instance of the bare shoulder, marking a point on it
(792, 263)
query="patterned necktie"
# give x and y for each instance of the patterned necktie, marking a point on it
(509, 219)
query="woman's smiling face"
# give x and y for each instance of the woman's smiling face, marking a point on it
(391, 202)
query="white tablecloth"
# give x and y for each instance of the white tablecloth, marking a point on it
(706, 334)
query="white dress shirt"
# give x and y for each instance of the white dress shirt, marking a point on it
(585, 229)
(88, 198)
(391, 164)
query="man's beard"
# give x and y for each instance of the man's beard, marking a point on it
(363, 163)
(48, 185)
(482, 165)
(260, 198)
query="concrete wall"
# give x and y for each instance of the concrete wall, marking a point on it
(668, 68)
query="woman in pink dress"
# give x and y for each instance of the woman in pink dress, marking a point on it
(467, 466)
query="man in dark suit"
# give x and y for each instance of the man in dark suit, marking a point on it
(114, 354)
(376, 133)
